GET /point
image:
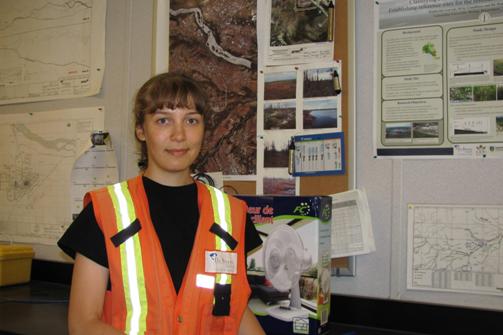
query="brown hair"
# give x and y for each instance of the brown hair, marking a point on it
(167, 90)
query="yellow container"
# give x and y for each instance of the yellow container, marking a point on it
(15, 263)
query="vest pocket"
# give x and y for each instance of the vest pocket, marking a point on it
(215, 325)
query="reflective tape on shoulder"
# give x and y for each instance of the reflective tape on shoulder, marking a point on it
(131, 261)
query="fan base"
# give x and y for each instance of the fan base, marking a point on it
(287, 313)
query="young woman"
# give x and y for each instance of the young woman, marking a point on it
(160, 253)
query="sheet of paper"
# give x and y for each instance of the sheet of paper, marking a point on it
(96, 167)
(352, 232)
(455, 248)
(51, 49)
(38, 152)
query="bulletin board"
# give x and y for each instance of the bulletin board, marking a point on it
(326, 185)
(344, 51)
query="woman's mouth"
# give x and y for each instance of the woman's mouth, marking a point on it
(177, 152)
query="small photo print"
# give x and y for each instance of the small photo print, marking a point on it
(276, 151)
(319, 82)
(498, 67)
(279, 115)
(461, 94)
(398, 130)
(280, 85)
(425, 130)
(279, 186)
(499, 124)
(320, 114)
(484, 93)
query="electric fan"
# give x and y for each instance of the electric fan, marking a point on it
(284, 260)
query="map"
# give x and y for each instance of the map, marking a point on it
(215, 42)
(37, 154)
(51, 49)
(455, 248)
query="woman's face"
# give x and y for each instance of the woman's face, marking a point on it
(173, 138)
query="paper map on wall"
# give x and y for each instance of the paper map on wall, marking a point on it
(51, 49)
(455, 248)
(37, 154)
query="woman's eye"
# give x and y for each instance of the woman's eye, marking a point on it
(192, 121)
(162, 121)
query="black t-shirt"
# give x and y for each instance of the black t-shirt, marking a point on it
(175, 215)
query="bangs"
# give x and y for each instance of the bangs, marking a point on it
(173, 95)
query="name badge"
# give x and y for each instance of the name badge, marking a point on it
(221, 262)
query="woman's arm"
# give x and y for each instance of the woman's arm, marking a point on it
(249, 324)
(87, 294)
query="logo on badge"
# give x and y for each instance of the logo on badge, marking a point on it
(213, 256)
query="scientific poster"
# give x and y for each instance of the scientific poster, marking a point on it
(440, 86)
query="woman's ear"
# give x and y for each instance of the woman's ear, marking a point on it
(140, 134)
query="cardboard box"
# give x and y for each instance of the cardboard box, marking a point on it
(15, 264)
(290, 273)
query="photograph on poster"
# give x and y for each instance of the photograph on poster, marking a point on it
(439, 76)
(280, 85)
(278, 183)
(399, 131)
(279, 114)
(425, 130)
(319, 113)
(319, 82)
(298, 22)
(276, 150)
(297, 31)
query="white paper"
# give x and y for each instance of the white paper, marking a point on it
(38, 152)
(51, 50)
(455, 248)
(352, 232)
(96, 167)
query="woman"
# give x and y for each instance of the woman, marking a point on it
(160, 253)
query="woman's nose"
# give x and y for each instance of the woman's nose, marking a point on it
(178, 132)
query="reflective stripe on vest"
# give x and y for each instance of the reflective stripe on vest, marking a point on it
(131, 261)
(222, 217)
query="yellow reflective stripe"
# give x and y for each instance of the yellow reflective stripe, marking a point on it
(131, 261)
(222, 217)
(142, 291)
(216, 214)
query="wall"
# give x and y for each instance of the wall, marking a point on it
(392, 184)
(127, 66)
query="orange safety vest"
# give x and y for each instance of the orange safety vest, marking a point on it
(142, 299)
